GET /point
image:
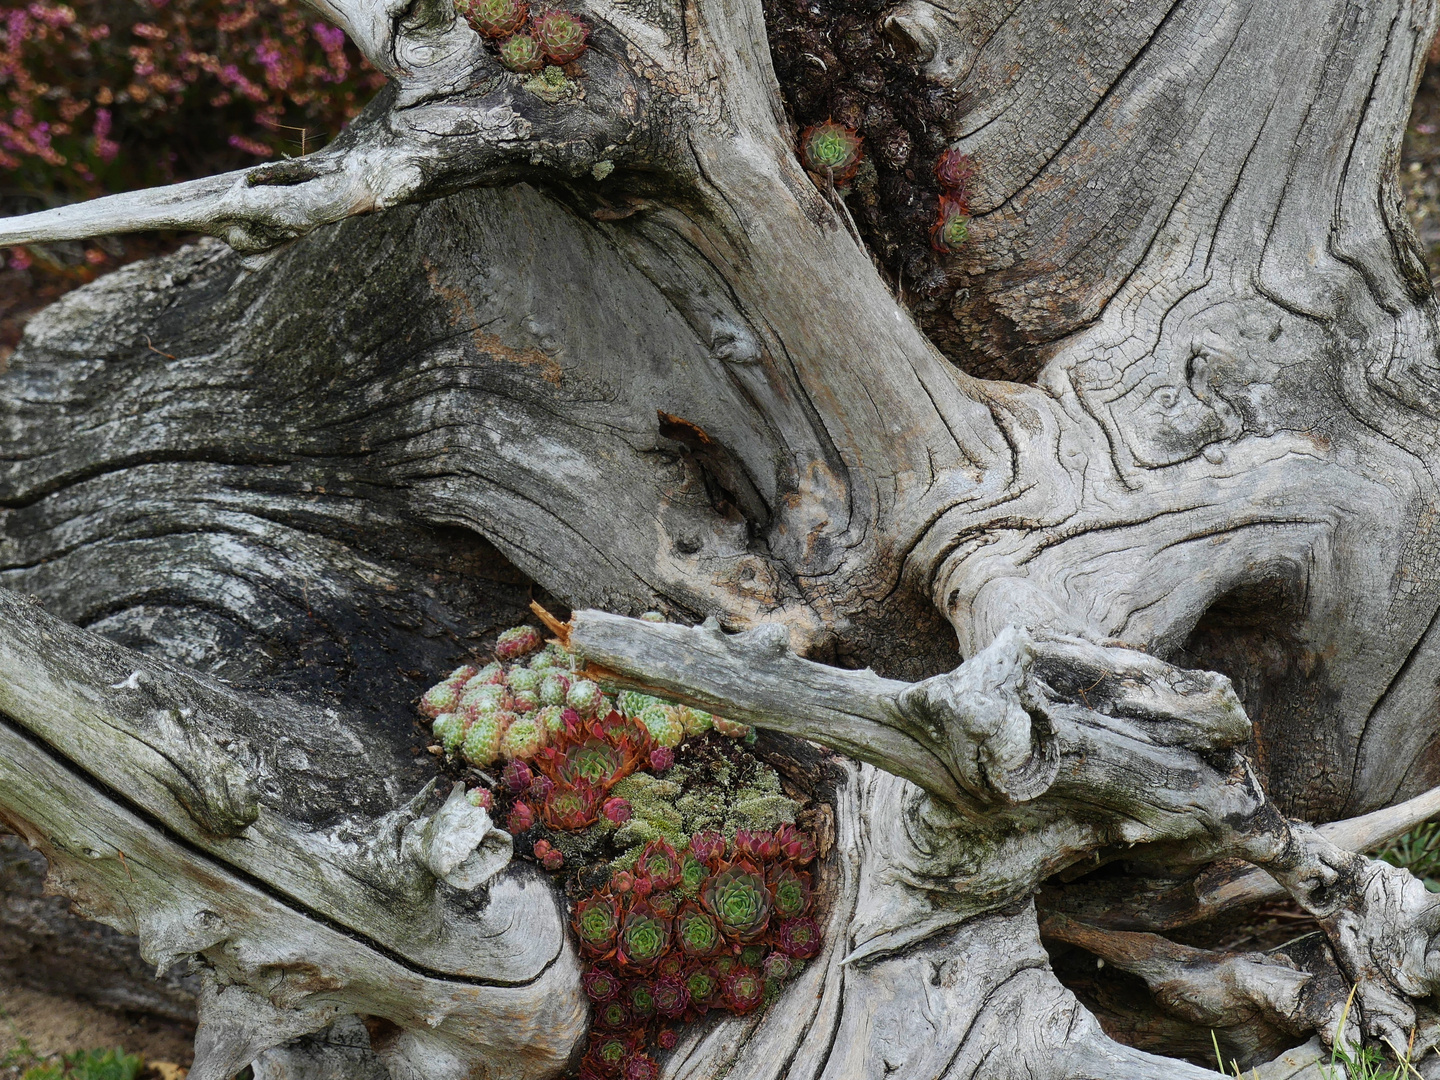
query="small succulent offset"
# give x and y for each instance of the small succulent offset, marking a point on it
(831, 150)
(952, 225)
(521, 53)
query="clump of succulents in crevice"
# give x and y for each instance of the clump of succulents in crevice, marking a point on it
(954, 171)
(711, 925)
(526, 42)
(691, 884)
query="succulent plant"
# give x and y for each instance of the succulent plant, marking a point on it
(758, 845)
(954, 171)
(479, 697)
(640, 1067)
(660, 863)
(481, 797)
(799, 938)
(616, 810)
(744, 989)
(661, 758)
(665, 903)
(482, 740)
(611, 1052)
(523, 738)
(952, 225)
(708, 848)
(644, 937)
(697, 933)
(570, 807)
(462, 674)
(522, 819)
(526, 701)
(731, 728)
(492, 673)
(516, 642)
(695, 721)
(553, 689)
(703, 985)
(544, 662)
(621, 882)
(633, 703)
(540, 788)
(519, 678)
(671, 997)
(693, 874)
(597, 922)
(561, 35)
(795, 845)
(778, 967)
(613, 1015)
(739, 901)
(551, 720)
(550, 856)
(441, 698)
(640, 996)
(517, 777)
(584, 697)
(495, 18)
(663, 724)
(832, 150)
(790, 892)
(449, 731)
(667, 1039)
(600, 985)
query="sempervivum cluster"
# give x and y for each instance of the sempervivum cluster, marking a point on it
(525, 43)
(952, 222)
(531, 709)
(710, 926)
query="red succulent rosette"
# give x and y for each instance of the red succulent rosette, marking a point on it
(660, 863)
(759, 845)
(600, 985)
(610, 1050)
(954, 171)
(640, 1067)
(643, 939)
(743, 991)
(799, 938)
(671, 996)
(640, 997)
(795, 845)
(708, 848)
(597, 925)
(613, 1016)
(665, 904)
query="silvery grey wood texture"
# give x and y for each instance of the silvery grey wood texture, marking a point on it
(655, 367)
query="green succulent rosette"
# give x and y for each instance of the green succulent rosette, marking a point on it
(660, 863)
(561, 36)
(698, 933)
(790, 893)
(703, 984)
(597, 923)
(693, 874)
(644, 937)
(740, 903)
(522, 53)
(831, 148)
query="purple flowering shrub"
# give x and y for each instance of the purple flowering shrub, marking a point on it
(108, 95)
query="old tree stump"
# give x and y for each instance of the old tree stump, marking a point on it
(1153, 452)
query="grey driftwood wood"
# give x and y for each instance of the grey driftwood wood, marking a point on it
(619, 337)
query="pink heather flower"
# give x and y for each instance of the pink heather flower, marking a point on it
(250, 146)
(331, 38)
(19, 259)
(616, 810)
